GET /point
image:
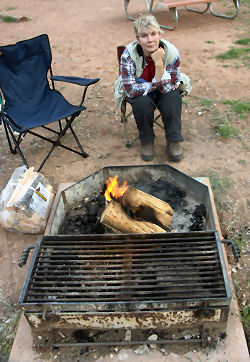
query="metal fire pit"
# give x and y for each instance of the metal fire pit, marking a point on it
(196, 192)
(172, 282)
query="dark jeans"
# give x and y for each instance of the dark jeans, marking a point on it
(169, 105)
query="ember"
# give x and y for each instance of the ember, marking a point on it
(85, 218)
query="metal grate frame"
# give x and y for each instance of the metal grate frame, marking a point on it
(127, 272)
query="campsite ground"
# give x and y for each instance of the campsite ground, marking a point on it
(84, 36)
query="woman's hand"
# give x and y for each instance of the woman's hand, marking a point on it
(157, 56)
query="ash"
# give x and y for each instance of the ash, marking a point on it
(188, 215)
(84, 218)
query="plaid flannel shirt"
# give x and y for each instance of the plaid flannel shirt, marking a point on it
(133, 88)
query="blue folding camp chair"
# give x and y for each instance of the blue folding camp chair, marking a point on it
(29, 99)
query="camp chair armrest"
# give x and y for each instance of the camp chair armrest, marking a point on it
(74, 80)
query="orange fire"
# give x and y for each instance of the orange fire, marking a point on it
(114, 189)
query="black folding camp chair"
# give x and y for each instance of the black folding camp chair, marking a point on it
(31, 100)
(126, 114)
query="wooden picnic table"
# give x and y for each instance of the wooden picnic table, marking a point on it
(172, 6)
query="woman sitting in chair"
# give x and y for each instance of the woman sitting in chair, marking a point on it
(150, 77)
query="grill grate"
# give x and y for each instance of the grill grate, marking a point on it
(126, 268)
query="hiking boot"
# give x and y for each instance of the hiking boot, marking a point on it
(174, 151)
(147, 152)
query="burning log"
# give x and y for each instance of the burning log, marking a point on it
(117, 220)
(156, 212)
(142, 205)
(148, 206)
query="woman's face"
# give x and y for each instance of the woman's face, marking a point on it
(149, 40)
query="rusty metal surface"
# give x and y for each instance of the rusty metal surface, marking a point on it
(133, 320)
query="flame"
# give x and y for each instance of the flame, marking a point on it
(113, 188)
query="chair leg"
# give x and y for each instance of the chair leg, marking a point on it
(10, 136)
(156, 121)
(125, 133)
(16, 143)
(58, 143)
(45, 159)
(84, 154)
(19, 140)
(124, 121)
(124, 118)
(129, 143)
(60, 125)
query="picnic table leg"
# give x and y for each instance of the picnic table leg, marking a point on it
(149, 6)
(126, 3)
(236, 5)
(198, 10)
(173, 12)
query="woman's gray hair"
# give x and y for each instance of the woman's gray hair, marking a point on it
(144, 22)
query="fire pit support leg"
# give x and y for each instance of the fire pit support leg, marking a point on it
(203, 337)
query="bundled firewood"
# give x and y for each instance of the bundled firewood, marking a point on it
(25, 202)
(141, 205)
